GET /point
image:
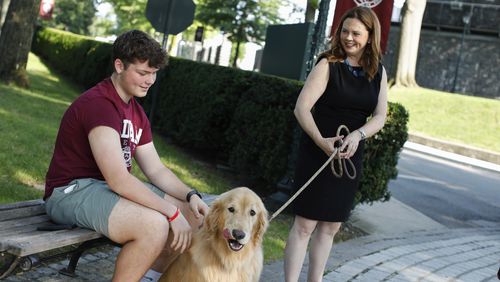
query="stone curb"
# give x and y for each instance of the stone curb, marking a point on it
(460, 149)
(455, 158)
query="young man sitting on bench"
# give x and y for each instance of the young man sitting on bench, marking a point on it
(89, 181)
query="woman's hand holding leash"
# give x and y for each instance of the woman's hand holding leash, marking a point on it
(328, 144)
(349, 145)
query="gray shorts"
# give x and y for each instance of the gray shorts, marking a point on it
(87, 203)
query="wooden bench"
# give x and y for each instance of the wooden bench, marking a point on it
(21, 242)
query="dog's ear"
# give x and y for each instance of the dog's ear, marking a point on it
(261, 224)
(213, 218)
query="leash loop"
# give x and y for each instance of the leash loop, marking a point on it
(342, 161)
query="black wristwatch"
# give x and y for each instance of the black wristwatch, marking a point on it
(191, 193)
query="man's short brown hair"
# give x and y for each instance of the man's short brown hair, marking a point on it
(136, 45)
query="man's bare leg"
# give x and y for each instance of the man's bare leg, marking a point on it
(143, 233)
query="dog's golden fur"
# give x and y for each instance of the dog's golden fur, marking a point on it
(211, 257)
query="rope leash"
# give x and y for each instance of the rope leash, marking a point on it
(341, 162)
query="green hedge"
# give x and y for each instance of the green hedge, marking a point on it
(84, 60)
(196, 104)
(381, 155)
(244, 119)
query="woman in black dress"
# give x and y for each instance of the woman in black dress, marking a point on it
(347, 85)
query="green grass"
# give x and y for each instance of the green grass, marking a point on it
(468, 120)
(275, 238)
(29, 119)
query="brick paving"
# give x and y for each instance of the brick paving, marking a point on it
(470, 254)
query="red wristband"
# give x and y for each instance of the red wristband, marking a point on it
(174, 216)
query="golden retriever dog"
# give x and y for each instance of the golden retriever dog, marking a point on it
(228, 247)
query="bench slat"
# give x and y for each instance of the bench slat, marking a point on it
(43, 241)
(17, 205)
(20, 230)
(4, 225)
(6, 244)
(26, 211)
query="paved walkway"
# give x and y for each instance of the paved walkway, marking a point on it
(471, 254)
(441, 255)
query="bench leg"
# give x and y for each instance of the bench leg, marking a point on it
(70, 269)
(11, 268)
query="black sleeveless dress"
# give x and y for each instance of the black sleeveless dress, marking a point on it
(349, 100)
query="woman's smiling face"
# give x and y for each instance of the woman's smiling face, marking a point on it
(354, 37)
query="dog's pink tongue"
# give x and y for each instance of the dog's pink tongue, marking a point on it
(227, 234)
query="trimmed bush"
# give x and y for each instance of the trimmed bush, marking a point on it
(262, 125)
(79, 57)
(196, 103)
(382, 154)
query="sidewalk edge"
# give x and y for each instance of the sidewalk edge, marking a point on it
(451, 156)
(459, 149)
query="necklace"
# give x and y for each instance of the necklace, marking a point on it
(356, 73)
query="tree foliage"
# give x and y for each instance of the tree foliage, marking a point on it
(243, 20)
(73, 15)
(103, 25)
(131, 14)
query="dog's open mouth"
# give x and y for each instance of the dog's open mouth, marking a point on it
(235, 245)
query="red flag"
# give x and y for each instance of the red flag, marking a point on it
(383, 9)
(46, 9)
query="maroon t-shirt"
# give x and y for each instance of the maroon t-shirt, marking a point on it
(99, 106)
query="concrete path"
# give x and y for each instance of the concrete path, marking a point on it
(418, 250)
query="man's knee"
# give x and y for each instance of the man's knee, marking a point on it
(154, 230)
(130, 221)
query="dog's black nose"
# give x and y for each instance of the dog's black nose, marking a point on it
(238, 234)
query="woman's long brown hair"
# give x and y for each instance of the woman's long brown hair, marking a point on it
(371, 56)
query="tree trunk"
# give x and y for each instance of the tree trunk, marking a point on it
(408, 43)
(236, 54)
(15, 40)
(4, 6)
(312, 6)
(1, 10)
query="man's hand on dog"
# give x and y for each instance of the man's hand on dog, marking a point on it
(198, 207)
